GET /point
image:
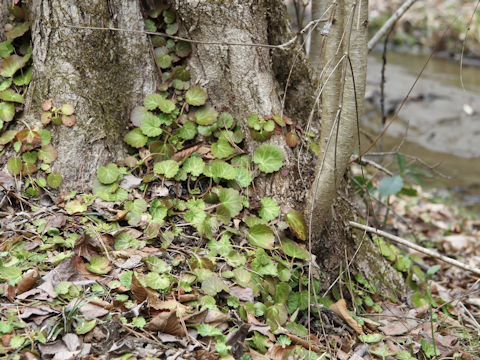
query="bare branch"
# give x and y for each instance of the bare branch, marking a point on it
(389, 23)
(416, 247)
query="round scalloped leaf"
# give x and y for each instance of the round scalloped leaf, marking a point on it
(244, 176)
(29, 169)
(54, 180)
(206, 115)
(10, 65)
(30, 157)
(183, 48)
(188, 131)
(166, 106)
(99, 265)
(221, 169)
(7, 111)
(156, 281)
(196, 96)
(135, 138)
(168, 168)
(222, 149)
(231, 200)
(262, 236)
(225, 120)
(152, 101)
(268, 157)
(67, 109)
(45, 135)
(14, 165)
(172, 29)
(139, 113)
(296, 222)
(108, 174)
(270, 209)
(194, 165)
(48, 154)
(69, 120)
(180, 73)
(151, 126)
(290, 248)
(11, 95)
(164, 61)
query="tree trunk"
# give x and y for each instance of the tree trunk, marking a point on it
(103, 74)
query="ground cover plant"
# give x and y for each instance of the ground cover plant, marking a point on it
(172, 256)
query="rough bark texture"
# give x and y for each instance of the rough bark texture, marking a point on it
(3, 18)
(242, 78)
(103, 74)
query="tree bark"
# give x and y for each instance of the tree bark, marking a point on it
(103, 74)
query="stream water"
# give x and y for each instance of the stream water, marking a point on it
(440, 124)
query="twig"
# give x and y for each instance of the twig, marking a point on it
(283, 46)
(416, 247)
(389, 23)
(364, 162)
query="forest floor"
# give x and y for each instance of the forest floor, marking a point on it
(64, 299)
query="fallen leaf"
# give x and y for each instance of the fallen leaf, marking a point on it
(340, 308)
(27, 280)
(167, 322)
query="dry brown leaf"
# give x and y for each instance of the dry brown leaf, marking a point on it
(277, 352)
(57, 221)
(86, 246)
(207, 316)
(167, 322)
(27, 280)
(340, 308)
(243, 294)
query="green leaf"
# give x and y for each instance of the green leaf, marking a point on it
(164, 61)
(84, 326)
(429, 349)
(108, 174)
(75, 207)
(231, 200)
(370, 338)
(166, 106)
(183, 48)
(151, 126)
(7, 136)
(124, 241)
(139, 113)
(168, 168)
(5, 84)
(263, 264)
(390, 185)
(10, 65)
(269, 158)
(47, 153)
(67, 109)
(208, 330)
(7, 111)
(99, 265)
(139, 322)
(196, 96)
(270, 209)
(152, 101)
(222, 149)
(223, 170)
(6, 48)
(212, 285)
(244, 176)
(24, 77)
(11, 95)
(138, 205)
(18, 30)
(194, 165)
(262, 236)
(11, 273)
(62, 287)
(157, 265)
(54, 180)
(135, 138)
(14, 165)
(293, 250)
(206, 115)
(225, 120)
(156, 281)
(188, 131)
(296, 222)
(282, 290)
